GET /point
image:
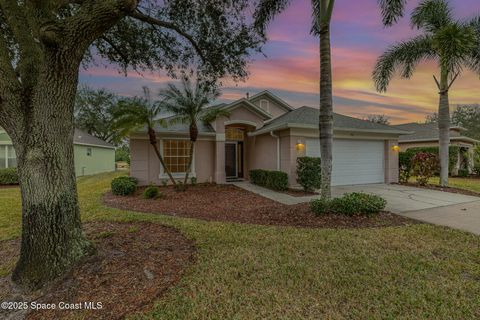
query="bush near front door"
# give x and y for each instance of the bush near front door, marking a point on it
(275, 180)
(309, 173)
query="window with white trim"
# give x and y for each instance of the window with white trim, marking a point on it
(11, 157)
(8, 157)
(176, 154)
(3, 156)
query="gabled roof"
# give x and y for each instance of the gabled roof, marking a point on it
(307, 117)
(82, 138)
(273, 97)
(429, 132)
(265, 115)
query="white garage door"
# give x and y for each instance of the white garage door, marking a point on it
(354, 161)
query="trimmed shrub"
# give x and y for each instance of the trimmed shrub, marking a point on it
(151, 192)
(124, 186)
(309, 173)
(476, 160)
(258, 176)
(8, 176)
(350, 204)
(320, 206)
(405, 166)
(424, 166)
(275, 180)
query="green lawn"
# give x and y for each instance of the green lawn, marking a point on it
(259, 272)
(471, 184)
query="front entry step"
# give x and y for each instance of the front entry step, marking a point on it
(235, 179)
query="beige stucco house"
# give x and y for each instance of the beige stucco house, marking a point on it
(265, 132)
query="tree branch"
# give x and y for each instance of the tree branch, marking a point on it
(116, 49)
(438, 83)
(164, 24)
(453, 80)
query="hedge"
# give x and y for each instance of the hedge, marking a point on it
(275, 180)
(406, 156)
(8, 176)
(351, 204)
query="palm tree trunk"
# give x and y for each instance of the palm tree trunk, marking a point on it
(444, 128)
(154, 143)
(326, 106)
(190, 160)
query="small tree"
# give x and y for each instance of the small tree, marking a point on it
(189, 104)
(379, 118)
(309, 173)
(136, 113)
(424, 166)
(94, 114)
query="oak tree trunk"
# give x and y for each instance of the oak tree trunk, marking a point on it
(444, 129)
(52, 237)
(326, 110)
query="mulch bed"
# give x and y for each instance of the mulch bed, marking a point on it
(135, 264)
(445, 189)
(8, 186)
(232, 204)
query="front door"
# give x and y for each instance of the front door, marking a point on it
(231, 168)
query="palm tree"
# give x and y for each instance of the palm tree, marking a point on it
(189, 106)
(137, 113)
(452, 44)
(322, 15)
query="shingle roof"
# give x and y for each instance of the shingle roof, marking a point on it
(81, 137)
(308, 117)
(427, 132)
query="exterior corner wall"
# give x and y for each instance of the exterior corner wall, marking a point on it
(205, 160)
(100, 160)
(391, 162)
(140, 160)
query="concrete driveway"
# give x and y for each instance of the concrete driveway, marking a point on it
(403, 199)
(437, 207)
(443, 208)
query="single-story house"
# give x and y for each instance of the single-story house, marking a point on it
(92, 155)
(265, 132)
(426, 135)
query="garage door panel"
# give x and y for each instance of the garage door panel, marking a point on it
(354, 161)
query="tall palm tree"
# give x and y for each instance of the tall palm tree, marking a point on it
(189, 106)
(454, 45)
(137, 113)
(322, 15)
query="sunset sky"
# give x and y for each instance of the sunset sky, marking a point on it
(291, 68)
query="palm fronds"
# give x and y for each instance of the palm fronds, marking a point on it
(403, 57)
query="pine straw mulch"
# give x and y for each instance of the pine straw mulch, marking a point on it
(135, 264)
(444, 189)
(232, 204)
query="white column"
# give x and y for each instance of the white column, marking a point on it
(220, 159)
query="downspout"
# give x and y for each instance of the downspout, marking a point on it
(278, 149)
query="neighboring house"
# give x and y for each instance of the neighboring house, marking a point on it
(92, 155)
(264, 132)
(426, 135)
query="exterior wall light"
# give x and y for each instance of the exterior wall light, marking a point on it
(299, 146)
(396, 148)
